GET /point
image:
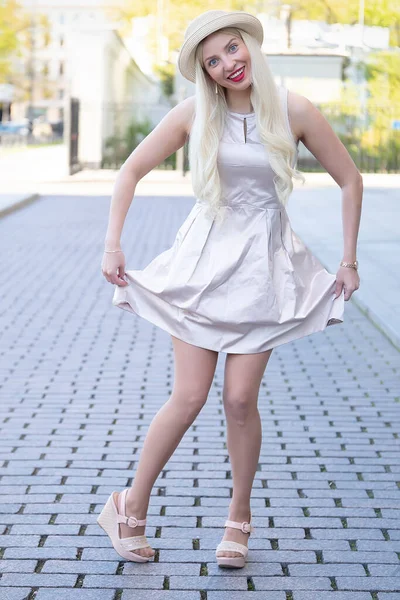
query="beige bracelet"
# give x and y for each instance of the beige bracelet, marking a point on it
(112, 250)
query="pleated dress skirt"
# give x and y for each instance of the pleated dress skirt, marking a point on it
(242, 285)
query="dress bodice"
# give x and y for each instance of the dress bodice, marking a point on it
(243, 165)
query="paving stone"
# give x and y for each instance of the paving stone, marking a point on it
(80, 566)
(366, 557)
(160, 595)
(386, 546)
(348, 534)
(330, 570)
(73, 594)
(14, 593)
(390, 584)
(154, 582)
(208, 583)
(394, 534)
(229, 595)
(292, 583)
(287, 544)
(332, 595)
(17, 566)
(40, 553)
(36, 580)
(45, 529)
(166, 569)
(384, 570)
(8, 541)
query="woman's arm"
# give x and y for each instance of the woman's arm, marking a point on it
(165, 139)
(311, 127)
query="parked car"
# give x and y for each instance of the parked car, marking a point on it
(14, 128)
(57, 127)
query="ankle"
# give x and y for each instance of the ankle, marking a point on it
(136, 507)
(239, 512)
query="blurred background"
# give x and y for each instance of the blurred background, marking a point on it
(82, 82)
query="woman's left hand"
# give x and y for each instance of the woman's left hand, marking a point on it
(349, 279)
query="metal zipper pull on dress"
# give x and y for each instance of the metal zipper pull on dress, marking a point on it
(245, 129)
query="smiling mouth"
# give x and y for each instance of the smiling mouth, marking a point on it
(236, 74)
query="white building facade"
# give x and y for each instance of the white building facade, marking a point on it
(85, 59)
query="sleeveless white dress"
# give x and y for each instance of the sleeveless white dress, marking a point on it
(247, 284)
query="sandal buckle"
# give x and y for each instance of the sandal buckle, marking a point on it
(132, 521)
(246, 527)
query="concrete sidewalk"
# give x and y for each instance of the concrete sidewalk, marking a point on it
(80, 381)
(11, 202)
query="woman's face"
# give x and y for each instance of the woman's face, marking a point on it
(223, 55)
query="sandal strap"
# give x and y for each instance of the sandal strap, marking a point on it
(134, 543)
(131, 521)
(232, 547)
(245, 526)
(122, 516)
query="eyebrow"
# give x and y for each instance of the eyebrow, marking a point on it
(234, 38)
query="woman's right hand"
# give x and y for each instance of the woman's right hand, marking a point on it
(113, 268)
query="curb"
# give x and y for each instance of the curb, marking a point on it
(18, 204)
(384, 328)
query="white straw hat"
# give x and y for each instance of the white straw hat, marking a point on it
(207, 23)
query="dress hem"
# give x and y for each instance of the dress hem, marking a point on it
(302, 331)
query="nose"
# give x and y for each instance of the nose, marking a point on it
(230, 66)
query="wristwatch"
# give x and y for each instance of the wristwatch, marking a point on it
(353, 265)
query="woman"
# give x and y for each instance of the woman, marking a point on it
(237, 278)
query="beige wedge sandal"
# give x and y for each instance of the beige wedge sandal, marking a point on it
(109, 520)
(234, 561)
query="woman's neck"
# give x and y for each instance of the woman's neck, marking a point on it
(239, 101)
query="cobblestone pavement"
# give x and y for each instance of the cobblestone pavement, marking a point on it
(80, 383)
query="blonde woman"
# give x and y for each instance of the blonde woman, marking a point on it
(237, 279)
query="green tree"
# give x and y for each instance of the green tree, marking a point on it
(12, 21)
(383, 77)
(175, 14)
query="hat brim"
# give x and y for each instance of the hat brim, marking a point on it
(241, 20)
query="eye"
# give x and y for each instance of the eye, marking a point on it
(210, 61)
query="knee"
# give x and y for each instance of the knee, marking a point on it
(239, 406)
(190, 403)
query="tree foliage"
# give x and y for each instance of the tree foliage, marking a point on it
(176, 14)
(12, 21)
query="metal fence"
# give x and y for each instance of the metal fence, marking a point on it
(370, 135)
(125, 126)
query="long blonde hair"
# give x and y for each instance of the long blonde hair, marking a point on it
(209, 120)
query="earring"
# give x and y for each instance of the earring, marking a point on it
(216, 88)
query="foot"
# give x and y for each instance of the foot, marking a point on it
(127, 531)
(235, 535)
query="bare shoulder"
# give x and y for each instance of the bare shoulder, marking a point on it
(299, 107)
(186, 110)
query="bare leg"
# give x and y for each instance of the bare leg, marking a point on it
(194, 372)
(243, 375)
